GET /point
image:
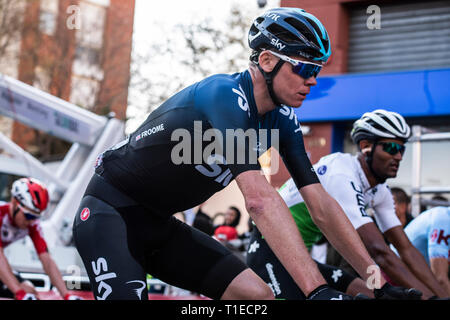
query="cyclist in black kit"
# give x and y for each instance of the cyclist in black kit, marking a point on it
(124, 227)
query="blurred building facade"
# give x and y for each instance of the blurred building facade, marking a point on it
(78, 50)
(395, 55)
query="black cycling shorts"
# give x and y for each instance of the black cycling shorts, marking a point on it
(121, 241)
(263, 261)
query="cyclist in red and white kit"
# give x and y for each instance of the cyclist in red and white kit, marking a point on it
(18, 219)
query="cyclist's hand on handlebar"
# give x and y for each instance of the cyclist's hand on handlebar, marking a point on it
(324, 292)
(23, 295)
(389, 292)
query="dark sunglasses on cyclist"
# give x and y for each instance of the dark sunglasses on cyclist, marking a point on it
(29, 215)
(304, 69)
(393, 148)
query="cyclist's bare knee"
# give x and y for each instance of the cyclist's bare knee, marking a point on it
(247, 285)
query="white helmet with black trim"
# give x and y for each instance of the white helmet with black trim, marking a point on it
(380, 124)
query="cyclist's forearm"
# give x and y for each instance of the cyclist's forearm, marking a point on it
(7, 275)
(394, 267)
(282, 235)
(51, 269)
(445, 283)
(419, 267)
(339, 231)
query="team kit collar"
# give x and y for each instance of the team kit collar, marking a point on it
(248, 90)
(362, 176)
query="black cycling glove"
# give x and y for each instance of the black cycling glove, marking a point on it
(389, 292)
(324, 292)
(437, 298)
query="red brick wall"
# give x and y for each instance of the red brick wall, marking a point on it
(58, 51)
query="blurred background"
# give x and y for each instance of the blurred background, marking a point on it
(109, 63)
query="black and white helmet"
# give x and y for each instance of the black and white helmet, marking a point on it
(380, 124)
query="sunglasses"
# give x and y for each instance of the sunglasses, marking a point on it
(28, 214)
(304, 69)
(393, 148)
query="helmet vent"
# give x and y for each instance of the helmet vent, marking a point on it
(326, 44)
(36, 194)
(315, 26)
(376, 125)
(283, 34)
(303, 30)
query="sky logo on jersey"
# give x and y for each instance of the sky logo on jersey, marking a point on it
(214, 170)
(149, 132)
(439, 236)
(322, 170)
(289, 112)
(242, 100)
(100, 268)
(85, 214)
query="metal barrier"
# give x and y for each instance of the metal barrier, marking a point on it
(419, 135)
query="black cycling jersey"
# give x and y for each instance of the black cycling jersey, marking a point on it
(146, 165)
(187, 150)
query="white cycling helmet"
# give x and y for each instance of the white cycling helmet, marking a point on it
(31, 194)
(380, 124)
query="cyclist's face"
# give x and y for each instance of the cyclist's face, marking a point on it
(230, 215)
(384, 163)
(19, 219)
(291, 88)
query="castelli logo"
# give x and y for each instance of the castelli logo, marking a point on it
(85, 214)
(434, 235)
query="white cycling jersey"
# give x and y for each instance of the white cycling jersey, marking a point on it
(343, 178)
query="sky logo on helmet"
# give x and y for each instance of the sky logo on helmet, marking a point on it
(272, 16)
(277, 44)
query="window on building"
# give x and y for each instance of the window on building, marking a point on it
(87, 56)
(84, 92)
(47, 16)
(41, 79)
(92, 25)
(89, 39)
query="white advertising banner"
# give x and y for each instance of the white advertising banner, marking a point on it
(48, 113)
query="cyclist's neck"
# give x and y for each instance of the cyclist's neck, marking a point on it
(373, 181)
(263, 101)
